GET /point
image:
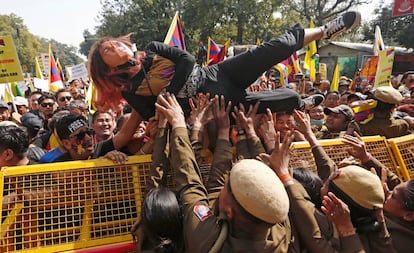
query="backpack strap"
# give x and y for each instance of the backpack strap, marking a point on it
(218, 244)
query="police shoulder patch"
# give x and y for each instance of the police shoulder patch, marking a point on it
(202, 212)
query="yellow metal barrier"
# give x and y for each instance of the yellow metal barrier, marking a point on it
(403, 151)
(302, 155)
(72, 205)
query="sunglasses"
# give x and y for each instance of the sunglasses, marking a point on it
(62, 99)
(81, 135)
(47, 104)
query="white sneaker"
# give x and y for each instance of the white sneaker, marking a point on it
(341, 24)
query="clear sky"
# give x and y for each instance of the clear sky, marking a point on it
(61, 20)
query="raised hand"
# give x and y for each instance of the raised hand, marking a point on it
(267, 130)
(221, 115)
(168, 105)
(302, 123)
(358, 148)
(199, 111)
(116, 156)
(279, 159)
(338, 212)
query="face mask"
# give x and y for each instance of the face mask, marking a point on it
(317, 122)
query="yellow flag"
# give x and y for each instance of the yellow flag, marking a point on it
(311, 50)
(258, 42)
(384, 68)
(39, 72)
(91, 97)
(335, 78)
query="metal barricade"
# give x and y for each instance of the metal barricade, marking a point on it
(71, 205)
(403, 151)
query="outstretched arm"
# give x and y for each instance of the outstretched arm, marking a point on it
(222, 157)
(324, 163)
(121, 138)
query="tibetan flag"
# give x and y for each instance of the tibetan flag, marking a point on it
(335, 78)
(55, 81)
(60, 69)
(215, 53)
(283, 70)
(223, 51)
(292, 63)
(175, 35)
(311, 50)
(379, 43)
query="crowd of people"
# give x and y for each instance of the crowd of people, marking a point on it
(158, 102)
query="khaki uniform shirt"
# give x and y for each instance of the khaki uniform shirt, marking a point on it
(201, 225)
(385, 126)
(377, 242)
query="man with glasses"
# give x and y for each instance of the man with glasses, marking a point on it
(47, 105)
(77, 138)
(63, 97)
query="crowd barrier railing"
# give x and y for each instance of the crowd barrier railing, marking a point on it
(403, 151)
(88, 205)
(338, 150)
(72, 205)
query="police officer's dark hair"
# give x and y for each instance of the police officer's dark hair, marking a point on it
(363, 219)
(14, 138)
(383, 107)
(46, 95)
(161, 218)
(408, 196)
(311, 182)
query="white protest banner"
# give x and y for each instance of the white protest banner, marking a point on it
(77, 72)
(41, 84)
(22, 86)
(45, 63)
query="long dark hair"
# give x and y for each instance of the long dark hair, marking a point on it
(161, 219)
(311, 182)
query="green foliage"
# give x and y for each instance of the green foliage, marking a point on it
(396, 31)
(244, 21)
(29, 46)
